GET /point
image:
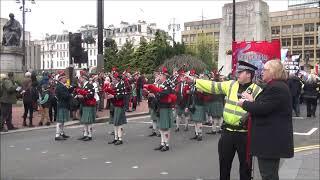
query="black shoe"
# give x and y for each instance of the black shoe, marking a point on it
(153, 134)
(199, 138)
(119, 142)
(31, 125)
(40, 124)
(87, 139)
(164, 148)
(82, 138)
(48, 124)
(24, 124)
(65, 136)
(112, 142)
(211, 132)
(177, 130)
(150, 127)
(158, 148)
(60, 138)
(194, 138)
(158, 135)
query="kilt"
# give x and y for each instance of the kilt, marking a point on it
(153, 115)
(166, 118)
(199, 115)
(63, 115)
(215, 109)
(111, 112)
(88, 115)
(119, 117)
(181, 110)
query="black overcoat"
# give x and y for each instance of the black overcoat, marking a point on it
(272, 132)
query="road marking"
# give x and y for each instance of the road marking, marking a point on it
(12, 146)
(108, 162)
(84, 158)
(297, 117)
(62, 155)
(44, 152)
(305, 148)
(164, 173)
(28, 149)
(134, 167)
(306, 134)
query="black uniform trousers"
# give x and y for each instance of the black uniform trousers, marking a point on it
(231, 142)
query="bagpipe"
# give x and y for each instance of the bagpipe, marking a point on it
(88, 99)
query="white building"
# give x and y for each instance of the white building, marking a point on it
(55, 48)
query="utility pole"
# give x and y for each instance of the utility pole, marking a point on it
(234, 21)
(100, 20)
(175, 27)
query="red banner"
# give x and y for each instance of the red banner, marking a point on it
(255, 52)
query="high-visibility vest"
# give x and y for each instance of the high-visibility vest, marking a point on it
(232, 113)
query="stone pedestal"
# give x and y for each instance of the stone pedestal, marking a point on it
(11, 59)
(252, 23)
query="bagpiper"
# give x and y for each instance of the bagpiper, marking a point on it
(118, 92)
(166, 99)
(63, 97)
(86, 95)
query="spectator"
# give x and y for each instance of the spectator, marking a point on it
(28, 99)
(8, 97)
(295, 89)
(310, 95)
(272, 132)
(44, 102)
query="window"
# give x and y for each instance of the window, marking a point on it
(188, 28)
(297, 41)
(308, 41)
(64, 46)
(286, 30)
(57, 54)
(57, 64)
(95, 62)
(192, 37)
(64, 54)
(308, 54)
(308, 15)
(90, 63)
(119, 41)
(286, 42)
(209, 34)
(297, 28)
(309, 27)
(216, 35)
(275, 30)
(60, 63)
(61, 54)
(63, 63)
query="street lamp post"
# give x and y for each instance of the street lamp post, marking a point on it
(175, 27)
(234, 20)
(100, 14)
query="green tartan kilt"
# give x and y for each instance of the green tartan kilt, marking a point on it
(119, 117)
(63, 115)
(166, 118)
(215, 109)
(181, 110)
(88, 115)
(199, 115)
(153, 115)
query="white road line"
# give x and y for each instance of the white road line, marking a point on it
(84, 158)
(134, 167)
(44, 152)
(12, 146)
(108, 162)
(307, 133)
(28, 149)
(164, 173)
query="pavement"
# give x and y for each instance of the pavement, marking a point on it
(35, 155)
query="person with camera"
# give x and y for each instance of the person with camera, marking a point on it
(234, 134)
(272, 131)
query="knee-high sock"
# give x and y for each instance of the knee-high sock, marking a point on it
(89, 130)
(207, 117)
(196, 128)
(85, 130)
(200, 129)
(215, 123)
(154, 126)
(116, 132)
(166, 137)
(220, 121)
(120, 132)
(186, 121)
(62, 128)
(162, 137)
(178, 119)
(58, 129)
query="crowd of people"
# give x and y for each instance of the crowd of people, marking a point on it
(237, 108)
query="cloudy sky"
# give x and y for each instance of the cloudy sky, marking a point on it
(46, 15)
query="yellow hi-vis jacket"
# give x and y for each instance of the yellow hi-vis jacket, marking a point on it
(232, 113)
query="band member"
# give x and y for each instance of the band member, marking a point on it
(63, 95)
(86, 95)
(167, 99)
(183, 93)
(118, 92)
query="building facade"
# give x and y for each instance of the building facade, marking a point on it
(297, 4)
(298, 31)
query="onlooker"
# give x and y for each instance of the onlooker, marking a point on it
(272, 133)
(28, 99)
(53, 100)
(295, 87)
(8, 97)
(310, 95)
(44, 102)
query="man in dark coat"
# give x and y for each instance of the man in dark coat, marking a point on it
(295, 87)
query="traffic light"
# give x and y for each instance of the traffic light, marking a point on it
(76, 51)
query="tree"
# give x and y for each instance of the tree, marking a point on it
(110, 54)
(125, 56)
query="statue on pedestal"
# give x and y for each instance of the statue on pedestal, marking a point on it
(11, 32)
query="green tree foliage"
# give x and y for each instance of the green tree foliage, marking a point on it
(110, 54)
(187, 62)
(125, 56)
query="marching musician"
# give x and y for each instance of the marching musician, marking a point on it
(166, 99)
(117, 90)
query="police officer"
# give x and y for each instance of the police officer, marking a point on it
(234, 136)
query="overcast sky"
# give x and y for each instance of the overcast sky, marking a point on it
(46, 15)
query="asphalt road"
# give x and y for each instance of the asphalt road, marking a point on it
(35, 154)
